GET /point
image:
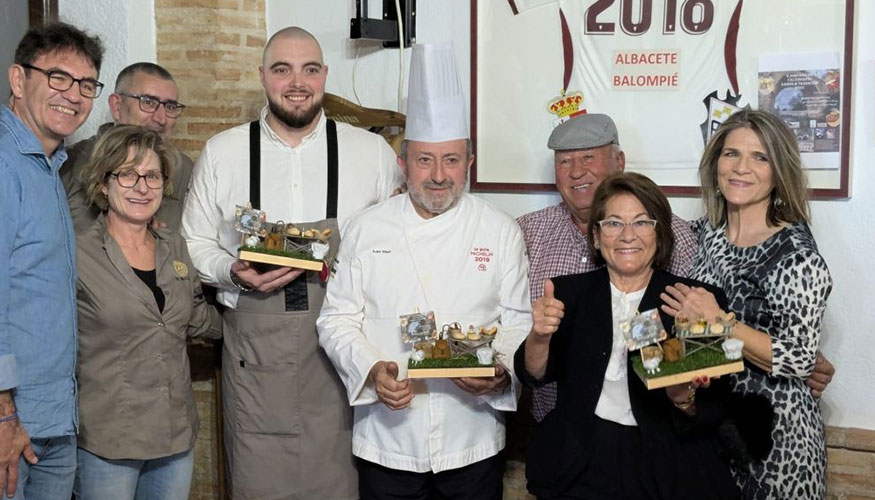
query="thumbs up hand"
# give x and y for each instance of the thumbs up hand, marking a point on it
(547, 312)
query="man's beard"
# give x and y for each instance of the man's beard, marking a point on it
(291, 119)
(435, 205)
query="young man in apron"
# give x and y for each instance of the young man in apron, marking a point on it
(287, 420)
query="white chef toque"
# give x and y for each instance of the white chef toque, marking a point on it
(435, 103)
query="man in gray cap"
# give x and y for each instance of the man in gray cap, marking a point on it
(587, 151)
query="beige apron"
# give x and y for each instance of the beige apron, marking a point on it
(288, 424)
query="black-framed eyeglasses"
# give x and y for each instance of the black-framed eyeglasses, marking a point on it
(130, 178)
(150, 104)
(615, 227)
(62, 81)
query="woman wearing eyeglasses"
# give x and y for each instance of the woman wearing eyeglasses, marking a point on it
(609, 437)
(754, 241)
(139, 298)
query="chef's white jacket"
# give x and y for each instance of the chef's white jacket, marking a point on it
(468, 265)
(294, 188)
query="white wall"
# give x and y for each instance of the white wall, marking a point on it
(127, 30)
(841, 228)
(846, 239)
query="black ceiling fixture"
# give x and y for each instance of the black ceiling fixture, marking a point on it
(385, 29)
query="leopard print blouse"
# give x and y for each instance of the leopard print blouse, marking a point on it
(779, 287)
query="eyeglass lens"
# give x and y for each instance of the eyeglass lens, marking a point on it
(642, 227)
(62, 81)
(129, 179)
(149, 104)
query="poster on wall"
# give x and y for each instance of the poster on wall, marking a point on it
(804, 90)
(668, 72)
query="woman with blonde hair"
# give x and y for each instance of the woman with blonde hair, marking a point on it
(139, 299)
(755, 244)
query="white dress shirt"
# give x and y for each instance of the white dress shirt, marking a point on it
(294, 188)
(468, 265)
(614, 404)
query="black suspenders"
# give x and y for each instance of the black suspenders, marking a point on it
(331, 199)
(255, 167)
(255, 164)
(295, 292)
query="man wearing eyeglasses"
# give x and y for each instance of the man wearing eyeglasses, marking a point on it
(53, 82)
(145, 95)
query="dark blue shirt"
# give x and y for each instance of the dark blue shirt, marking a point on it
(37, 283)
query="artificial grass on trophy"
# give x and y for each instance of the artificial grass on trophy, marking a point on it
(292, 254)
(703, 358)
(466, 360)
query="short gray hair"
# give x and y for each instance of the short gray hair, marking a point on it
(122, 83)
(469, 149)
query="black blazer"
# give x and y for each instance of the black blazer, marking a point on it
(686, 462)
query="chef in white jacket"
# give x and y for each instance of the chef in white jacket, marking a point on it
(437, 249)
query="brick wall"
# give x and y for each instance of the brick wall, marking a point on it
(213, 49)
(850, 471)
(204, 482)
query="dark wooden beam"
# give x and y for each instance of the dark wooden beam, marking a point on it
(42, 11)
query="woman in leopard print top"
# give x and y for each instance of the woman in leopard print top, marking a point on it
(754, 242)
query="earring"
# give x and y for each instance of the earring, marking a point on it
(777, 203)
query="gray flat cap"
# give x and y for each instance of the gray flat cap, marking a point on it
(584, 132)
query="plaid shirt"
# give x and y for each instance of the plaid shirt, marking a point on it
(556, 247)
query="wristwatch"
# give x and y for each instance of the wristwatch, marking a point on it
(239, 284)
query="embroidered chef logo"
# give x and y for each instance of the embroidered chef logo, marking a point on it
(482, 256)
(180, 268)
